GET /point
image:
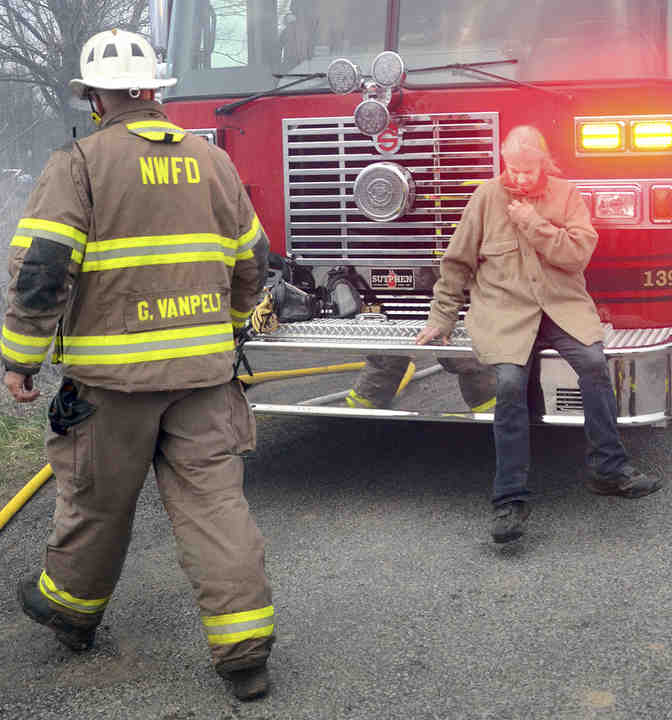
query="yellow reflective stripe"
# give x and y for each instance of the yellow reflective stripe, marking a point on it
(145, 250)
(236, 627)
(248, 240)
(149, 336)
(238, 617)
(48, 589)
(232, 638)
(154, 123)
(246, 237)
(148, 260)
(354, 400)
(26, 242)
(156, 130)
(22, 357)
(158, 135)
(25, 349)
(237, 314)
(487, 405)
(148, 346)
(53, 227)
(148, 241)
(32, 341)
(148, 355)
(240, 318)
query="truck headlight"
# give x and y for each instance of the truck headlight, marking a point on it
(343, 76)
(388, 69)
(372, 116)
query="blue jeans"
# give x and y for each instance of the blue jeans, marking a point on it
(605, 452)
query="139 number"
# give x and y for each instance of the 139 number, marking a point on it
(657, 278)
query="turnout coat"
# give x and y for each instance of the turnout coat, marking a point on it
(515, 274)
(141, 251)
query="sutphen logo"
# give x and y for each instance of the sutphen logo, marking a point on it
(389, 279)
(388, 142)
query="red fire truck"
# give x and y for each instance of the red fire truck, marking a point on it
(360, 131)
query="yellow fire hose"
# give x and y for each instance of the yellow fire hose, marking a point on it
(408, 376)
(298, 372)
(22, 497)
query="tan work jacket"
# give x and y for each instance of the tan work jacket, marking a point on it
(142, 240)
(515, 274)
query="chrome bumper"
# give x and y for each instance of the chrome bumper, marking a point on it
(307, 368)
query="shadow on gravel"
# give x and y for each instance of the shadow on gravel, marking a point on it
(443, 458)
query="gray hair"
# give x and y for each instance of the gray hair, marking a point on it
(526, 140)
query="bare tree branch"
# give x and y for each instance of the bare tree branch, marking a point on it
(40, 41)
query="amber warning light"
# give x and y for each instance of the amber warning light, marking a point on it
(652, 135)
(634, 135)
(601, 136)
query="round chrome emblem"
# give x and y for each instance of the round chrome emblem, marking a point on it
(384, 191)
(380, 192)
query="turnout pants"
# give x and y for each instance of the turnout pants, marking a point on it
(194, 439)
(379, 379)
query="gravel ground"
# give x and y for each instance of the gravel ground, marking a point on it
(392, 602)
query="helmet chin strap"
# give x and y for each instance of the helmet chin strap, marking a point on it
(97, 109)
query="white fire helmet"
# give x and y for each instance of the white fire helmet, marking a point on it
(117, 60)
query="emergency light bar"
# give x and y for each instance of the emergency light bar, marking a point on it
(602, 136)
(652, 135)
(634, 135)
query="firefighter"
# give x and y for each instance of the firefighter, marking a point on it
(141, 252)
(524, 241)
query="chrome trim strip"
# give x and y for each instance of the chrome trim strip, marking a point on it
(461, 417)
(412, 350)
(391, 336)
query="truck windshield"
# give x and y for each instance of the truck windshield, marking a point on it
(237, 47)
(571, 40)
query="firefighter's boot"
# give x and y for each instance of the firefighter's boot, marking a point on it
(36, 606)
(248, 683)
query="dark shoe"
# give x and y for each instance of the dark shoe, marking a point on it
(37, 608)
(508, 521)
(628, 482)
(249, 683)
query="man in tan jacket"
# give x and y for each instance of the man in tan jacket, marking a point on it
(524, 241)
(140, 250)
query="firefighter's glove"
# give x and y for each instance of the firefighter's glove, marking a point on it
(264, 319)
(66, 409)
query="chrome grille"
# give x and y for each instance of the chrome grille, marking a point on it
(404, 305)
(568, 400)
(448, 154)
